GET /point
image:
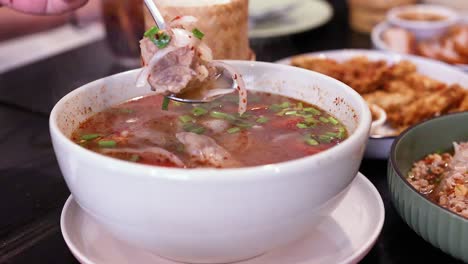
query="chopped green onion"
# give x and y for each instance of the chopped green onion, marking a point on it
(233, 130)
(311, 141)
(245, 115)
(163, 40)
(198, 34)
(284, 105)
(243, 124)
(160, 38)
(275, 108)
(198, 130)
(151, 32)
(325, 138)
(333, 120)
(107, 143)
(331, 134)
(324, 120)
(198, 111)
(341, 132)
(310, 120)
(126, 110)
(191, 127)
(185, 118)
(221, 115)
(311, 110)
(261, 120)
(134, 158)
(165, 103)
(302, 125)
(90, 136)
(290, 113)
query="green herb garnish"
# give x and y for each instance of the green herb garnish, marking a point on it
(302, 125)
(107, 143)
(233, 130)
(324, 120)
(191, 127)
(89, 136)
(311, 141)
(198, 111)
(126, 110)
(261, 120)
(185, 118)
(221, 115)
(333, 120)
(134, 158)
(198, 34)
(341, 132)
(290, 113)
(165, 103)
(325, 138)
(311, 110)
(159, 37)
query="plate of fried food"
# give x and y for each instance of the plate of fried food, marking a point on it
(430, 31)
(404, 90)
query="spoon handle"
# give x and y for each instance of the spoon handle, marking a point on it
(158, 18)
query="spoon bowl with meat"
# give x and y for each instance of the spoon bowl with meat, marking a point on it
(205, 183)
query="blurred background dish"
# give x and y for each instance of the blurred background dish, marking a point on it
(459, 5)
(414, 90)
(444, 40)
(365, 14)
(451, 48)
(274, 18)
(442, 228)
(423, 21)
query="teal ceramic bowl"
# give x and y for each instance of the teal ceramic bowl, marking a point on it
(437, 225)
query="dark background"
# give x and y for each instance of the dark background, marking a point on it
(32, 190)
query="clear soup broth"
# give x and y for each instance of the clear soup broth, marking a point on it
(273, 129)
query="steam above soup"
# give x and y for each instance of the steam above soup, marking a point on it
(273, 129)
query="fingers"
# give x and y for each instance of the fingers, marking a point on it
(43, 7)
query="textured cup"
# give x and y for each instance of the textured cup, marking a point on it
(224, 24)
(437, 225)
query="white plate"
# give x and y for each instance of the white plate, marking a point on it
(378, 43)
(379, 146)
(306, 15)
(344, 237)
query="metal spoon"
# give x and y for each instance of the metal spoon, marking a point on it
(159, 19)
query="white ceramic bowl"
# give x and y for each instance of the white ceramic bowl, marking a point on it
(212, 215)
(423, 29)
(379, 145)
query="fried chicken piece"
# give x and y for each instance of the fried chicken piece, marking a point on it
(365, 76)
(322, 65)
(401, 69)
(428, 106)
(390, 101)
(421, 82)
(464, 104)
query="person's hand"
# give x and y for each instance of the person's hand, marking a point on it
(43, 7)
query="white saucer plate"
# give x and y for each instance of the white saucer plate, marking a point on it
(306, 15)
(344, 237)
